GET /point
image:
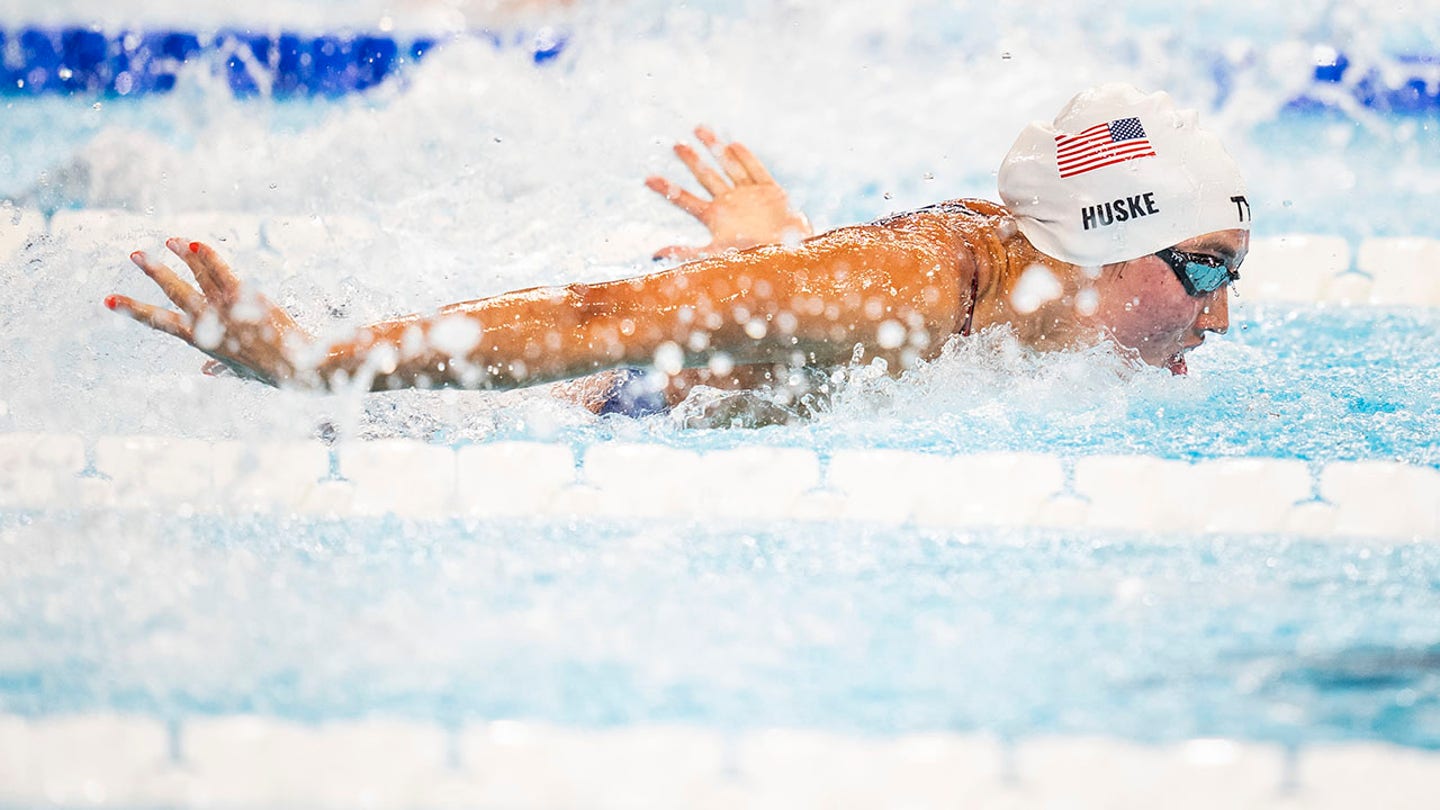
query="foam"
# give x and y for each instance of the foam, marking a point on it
(17, 227)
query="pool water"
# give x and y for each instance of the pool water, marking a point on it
(831, 626)
(478, 171)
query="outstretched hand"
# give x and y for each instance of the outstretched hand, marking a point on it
(239, 328)
(747, 208)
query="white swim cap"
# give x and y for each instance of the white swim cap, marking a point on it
(1120, 174)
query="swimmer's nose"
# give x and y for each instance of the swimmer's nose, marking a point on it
(1215, 314)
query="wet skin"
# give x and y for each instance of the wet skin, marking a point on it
(894, 290)
(1143, 307)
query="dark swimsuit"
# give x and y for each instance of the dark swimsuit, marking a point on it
(970, 311)
(634, 394)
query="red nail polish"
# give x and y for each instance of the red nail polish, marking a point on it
(112, 301)
(194, 247)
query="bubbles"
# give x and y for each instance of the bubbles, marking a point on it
(669, 358)
(466, 177)
(208, 330)
(721, 364)
(890, 335)
(455, 335)
(1036, 287)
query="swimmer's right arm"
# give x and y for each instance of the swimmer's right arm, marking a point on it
(811, 304)
(747, 207)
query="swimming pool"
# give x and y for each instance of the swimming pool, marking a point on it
(943, 588)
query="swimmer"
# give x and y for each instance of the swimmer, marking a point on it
(1121, 221)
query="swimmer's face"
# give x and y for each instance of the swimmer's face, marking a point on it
(1143, 305)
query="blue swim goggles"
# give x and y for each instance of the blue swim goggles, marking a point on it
(1201, 273)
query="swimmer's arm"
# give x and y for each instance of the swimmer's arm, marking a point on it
(863, 292)
(747, 207)
(892, 295)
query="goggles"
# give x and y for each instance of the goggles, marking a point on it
(1201, 273)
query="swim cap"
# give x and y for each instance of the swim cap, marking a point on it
(1120, 174)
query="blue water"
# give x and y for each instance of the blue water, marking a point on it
(1317, 385)
(480, 173)
(828, 626)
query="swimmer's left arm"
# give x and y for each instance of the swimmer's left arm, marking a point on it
(747, 207)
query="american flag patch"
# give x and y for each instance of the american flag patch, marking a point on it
(1102, 145)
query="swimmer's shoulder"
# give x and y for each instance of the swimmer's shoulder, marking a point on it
(967, 211)
(952, 227)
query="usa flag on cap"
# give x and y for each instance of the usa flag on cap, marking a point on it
(1101, 145)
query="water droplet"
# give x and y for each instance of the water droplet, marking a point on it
(890, 334)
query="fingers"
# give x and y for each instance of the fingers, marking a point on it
(752, 164)
(171, 323)
(728, 160)
(679, 197)
(708, 177)
(186, 297)
(216, 281)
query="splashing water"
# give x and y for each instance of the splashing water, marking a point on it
(478, 172)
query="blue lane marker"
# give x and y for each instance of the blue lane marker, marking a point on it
(1413, 96)
(68, 61)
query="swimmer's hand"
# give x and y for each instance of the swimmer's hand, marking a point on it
(240, 328)
(748, 207)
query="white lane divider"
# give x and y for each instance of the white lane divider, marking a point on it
(1293, 267)
(1194, 775)
(1383, 497)
(517, 479)
(511, 479)
(1405, 270)
(105, 760)
(261, 762)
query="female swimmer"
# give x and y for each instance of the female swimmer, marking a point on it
(1122, 220)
